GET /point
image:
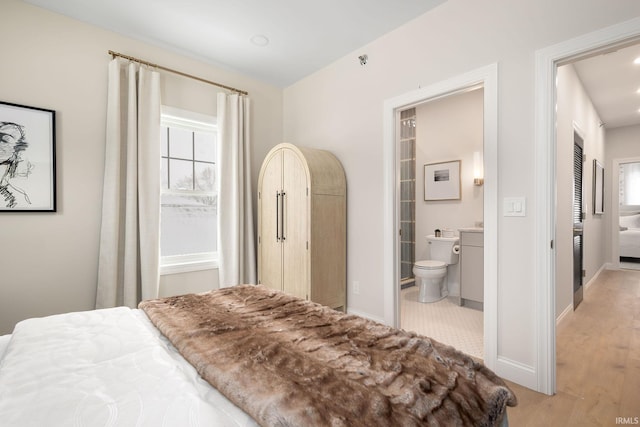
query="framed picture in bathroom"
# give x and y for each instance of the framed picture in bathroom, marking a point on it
(442, 181)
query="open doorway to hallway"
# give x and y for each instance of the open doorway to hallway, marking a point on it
(595, 96)
(549, 62)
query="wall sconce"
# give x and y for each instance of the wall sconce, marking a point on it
(478, 168)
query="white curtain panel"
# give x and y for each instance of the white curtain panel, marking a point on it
(128, 269)
(236, 243)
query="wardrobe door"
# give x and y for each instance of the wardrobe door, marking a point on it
(270, 208)
(296, 225)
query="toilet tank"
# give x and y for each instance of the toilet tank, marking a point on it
(441, 249)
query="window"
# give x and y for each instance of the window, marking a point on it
(629, 185)
(188, 212)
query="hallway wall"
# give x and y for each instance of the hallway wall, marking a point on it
(575, 111)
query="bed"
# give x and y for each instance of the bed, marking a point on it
(630, 237)
(239, 356)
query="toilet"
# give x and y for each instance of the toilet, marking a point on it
(431, 274)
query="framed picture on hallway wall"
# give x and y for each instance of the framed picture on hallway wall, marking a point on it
(442, 181)
(598, 188)
(27, 159)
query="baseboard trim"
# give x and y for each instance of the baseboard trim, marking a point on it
(517, 372)
(566, 312)
(569, 309)
(595, 277)
(366, 315)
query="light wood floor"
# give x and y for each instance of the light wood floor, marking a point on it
(598, 361)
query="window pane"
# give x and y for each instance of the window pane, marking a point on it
(188, 224)
(205, 146)
(180, 143)
(180, 175)
(164, 150)
(205, 176)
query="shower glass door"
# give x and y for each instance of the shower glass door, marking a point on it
(407, 195)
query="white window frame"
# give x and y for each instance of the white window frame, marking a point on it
(174, 264)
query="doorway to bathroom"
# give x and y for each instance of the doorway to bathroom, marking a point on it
(487, 78)
(440, 149)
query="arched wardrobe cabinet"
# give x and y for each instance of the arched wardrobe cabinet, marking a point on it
(302, 224)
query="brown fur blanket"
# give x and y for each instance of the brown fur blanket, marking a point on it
(290, 362)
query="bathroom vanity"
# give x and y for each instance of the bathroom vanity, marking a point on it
(472, 267)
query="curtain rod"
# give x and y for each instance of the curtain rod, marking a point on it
(160, 67)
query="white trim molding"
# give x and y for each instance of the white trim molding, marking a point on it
(546, 63)
(487, 77)
(365, 315)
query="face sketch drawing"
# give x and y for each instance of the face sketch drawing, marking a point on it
(13, 142)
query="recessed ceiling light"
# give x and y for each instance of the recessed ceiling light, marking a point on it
(259, 40)
(636, 61)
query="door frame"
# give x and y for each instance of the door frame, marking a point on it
(546, 62)
(487, 77)
(615, 207)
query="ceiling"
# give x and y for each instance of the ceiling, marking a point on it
(303, 36)
(612, 81)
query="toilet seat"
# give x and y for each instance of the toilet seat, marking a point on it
(430, 264)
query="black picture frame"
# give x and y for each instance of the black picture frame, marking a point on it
(598, 188)
(27, 158)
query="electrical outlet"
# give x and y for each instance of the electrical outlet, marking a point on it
(356, 287)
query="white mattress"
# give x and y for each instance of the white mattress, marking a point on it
(630, 243)
(103, 368)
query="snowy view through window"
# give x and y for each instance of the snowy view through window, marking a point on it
(188, 213)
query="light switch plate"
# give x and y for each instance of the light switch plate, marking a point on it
(515, 206)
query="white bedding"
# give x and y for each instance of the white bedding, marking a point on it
(4, 341)
(629, 234)
(104, 368)
(630, 243)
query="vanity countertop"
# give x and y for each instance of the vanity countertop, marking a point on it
(471, 230)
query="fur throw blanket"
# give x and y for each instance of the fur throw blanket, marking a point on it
(290, 362)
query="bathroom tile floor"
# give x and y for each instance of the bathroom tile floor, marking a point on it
(444, 321)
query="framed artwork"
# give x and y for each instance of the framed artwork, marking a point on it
(27, 159)
(598, 188)
(442, 181)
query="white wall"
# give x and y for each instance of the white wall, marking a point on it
(48, 261)
(340, 107)
(448, 129)
(575, 111)
(622, 142)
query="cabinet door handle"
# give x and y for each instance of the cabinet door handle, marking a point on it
(282, 217)
(277, 216)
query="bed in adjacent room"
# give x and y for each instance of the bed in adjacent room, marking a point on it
(243, 356)
(630, 236)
